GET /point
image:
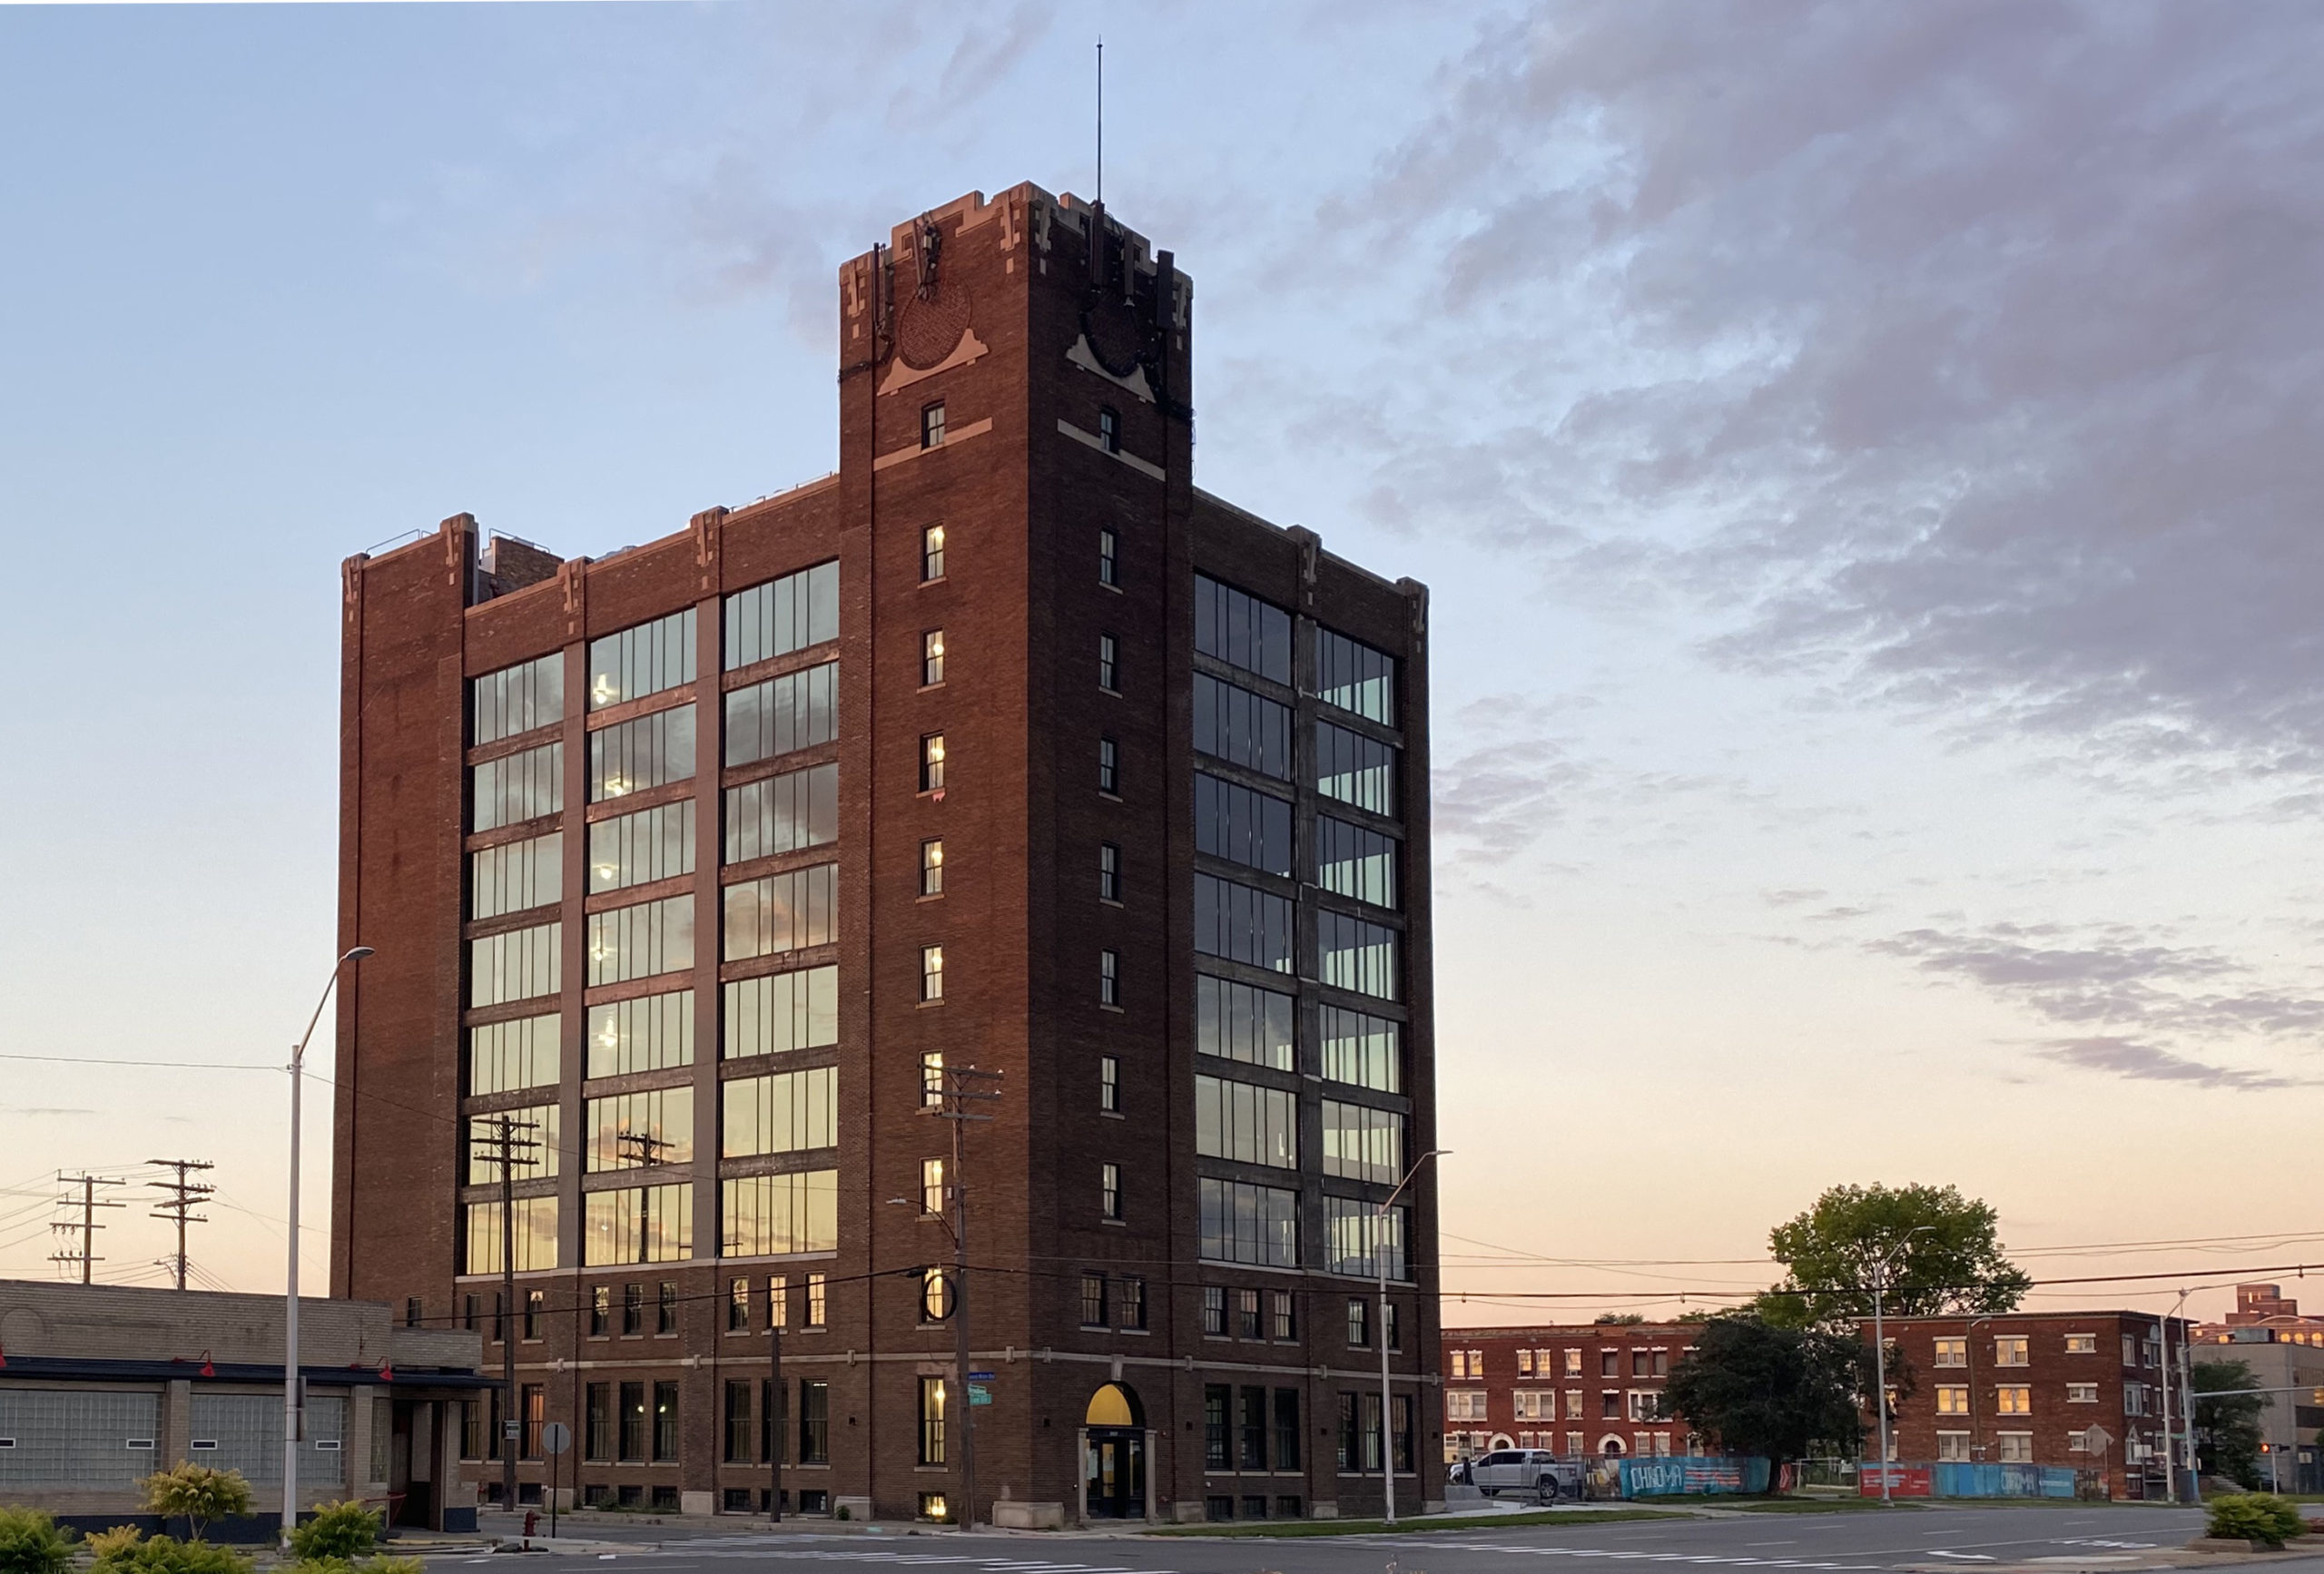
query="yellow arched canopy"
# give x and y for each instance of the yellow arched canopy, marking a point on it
(1110, 1406)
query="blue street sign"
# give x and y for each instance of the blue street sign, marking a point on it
(980, 1377)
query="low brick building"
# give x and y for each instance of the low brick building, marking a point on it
(1590, 1388)
(101, 1385)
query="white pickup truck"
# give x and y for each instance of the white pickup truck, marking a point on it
(1536, 1472)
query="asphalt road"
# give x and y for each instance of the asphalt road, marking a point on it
(2077, 1535)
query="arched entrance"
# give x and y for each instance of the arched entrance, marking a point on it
(1610, 1445)
(1113, 1443)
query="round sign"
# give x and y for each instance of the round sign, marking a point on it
(556, 1438)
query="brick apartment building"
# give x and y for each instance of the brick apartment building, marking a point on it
(709, 865)
(1591, 1388)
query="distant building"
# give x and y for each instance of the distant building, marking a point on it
(1589, 1388)
(2263, 1315)
(102, 1385)
(2285, 1352)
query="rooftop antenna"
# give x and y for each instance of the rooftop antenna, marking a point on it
(1101, 120)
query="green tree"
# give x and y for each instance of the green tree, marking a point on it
(196, 1494)
(30, 1543)
(1760, 1389)
(342, 1532)
(2227, 1424)
(1934, 1247)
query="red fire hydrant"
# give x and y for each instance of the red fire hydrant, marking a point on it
(532, 1522)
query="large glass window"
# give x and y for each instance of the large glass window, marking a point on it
(1356, 862)
(516, 699)
(1247, 1122)
(650, 751)
(772, 1215)
(781, 1012)
(515, 965)
(782, 813)
(636, 849)
(1363, 1049)
(1241, 1222)
(648, 1033)
(1242, 923)
(780, 1113)
(1234, 822)
(1350, 1227)
(1241, 630)
(637, 942)
(536, 1233)
(516, 788)
(1355, 677)
(642, 661)
(782, 912)
(1242, 1022)
(794, 711)
(637, 1224)
(532, 1145)
(1356, 955)
(1237, 725)
(507, 1055)
(1361, 1142)
(517, 875)
(1355, 769)
(783, 616)
(632, 1130)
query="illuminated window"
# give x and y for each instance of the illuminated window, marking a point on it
(2011, 1400)
(931, 1185)
(931, 972)
(1110, 1186)
(931, 658)
(931, 763)
(1952, 1352)
(1952, 1400)
(931, 868)
(2009, 1351)
(931, 552)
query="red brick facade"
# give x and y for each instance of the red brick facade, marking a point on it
(1015, 373)
(1590, 1388)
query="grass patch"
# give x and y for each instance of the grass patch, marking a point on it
(1291, 1528)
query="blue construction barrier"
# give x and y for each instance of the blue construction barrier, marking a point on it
(1963, 1479)
(1693, 1475)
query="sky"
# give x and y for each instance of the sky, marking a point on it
(1865, 457)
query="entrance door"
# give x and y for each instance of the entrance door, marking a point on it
(1117, 1470)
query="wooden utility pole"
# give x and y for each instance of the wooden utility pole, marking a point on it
(959, 1089)
(509, 1142)
(183, 1195)
(88, 1226)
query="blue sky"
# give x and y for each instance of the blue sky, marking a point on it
(1865, 458)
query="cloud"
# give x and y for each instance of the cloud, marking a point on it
(2144, 1063)
(52, 1111)
(1970, 351)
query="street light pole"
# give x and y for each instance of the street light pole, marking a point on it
(1880, 1359)
(1387, 1400)
(291, 1416)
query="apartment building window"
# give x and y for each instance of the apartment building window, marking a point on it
(778, 1301)
(1286, 1429)
(1129, 1303)
(931, 1420)
(536, 1302)
(518, 698)
(499, 1319)
(1247, 729)
(2082, 1393)
(814, 1423)
(1251, 1426)
(818, 1301)
(412, 1312)
(1573, 1404)
(1245, 924)
(517, 876)
(1109, 978)
(1243, 1022)
(1952, 1352)
(666, 1420)
(932, 867)
(1109, 780)
(931, 658)
(665, 1309)
(1573, 1363)
(516, 788)
(2081, 1344)
(1093, 1300)
(2010, 1352)
(1110, 1084)
(1356, 768)
(1107, 567)
(738, 1450)
(1356, 956)
(643, 659)
(931, 552)
(632, 1421)
(650, 751)
(639, 849)
(1247, 1324)
(1232, 822)
(1110, 1188)
(1952, 1398)
(640, 941)
(780, 1012)
(1396, 1325)
(931, 972)
(1354, 861)
(1110, 873)
(1213, 1310)
(633, 1308)
(738, 1306)
(931, 427)
(1109, 429)
(783, 616)
(777, 815)
(1109, 670)
(935, 1295)
(597, 1422)
(1524, 1364)
(1951, 1446)
(1359, 1323)
(1355, 677)
(631, 1130)
(931, 763)
(1241, 630)
(931, 1078)
(783, 714)
(1241, 1222)
(1247, 1122)
(2011, 1399)
(1216, 1400)
(2015, 1447)
(931, 1185)
(1286, 1319)
(601, 1311)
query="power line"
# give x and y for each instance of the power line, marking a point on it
(88, 1226)
(184, 1194)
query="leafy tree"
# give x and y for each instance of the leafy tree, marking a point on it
(2227, 1427)
(1620, 1319)
(1760, 1389)
(342, 1532)
(1935, 1246)
(30, 1543)
(197, 1494)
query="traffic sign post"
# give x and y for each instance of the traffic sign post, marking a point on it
(556, 1438)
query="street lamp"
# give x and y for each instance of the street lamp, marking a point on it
(1387, 1402)
(1880, 1271)
(290, 1407)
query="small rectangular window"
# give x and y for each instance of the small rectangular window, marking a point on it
(931, 1420)
(1110, 1183)
(1109, 978)
(1109, 767)
(931, 658)
(633, 1308)
(932, 424)
(1249, 1323)
(665, 1310)
(932, 867)
(1286, 1325)
(931, 972)
(818, 1301)
(1107, 567)
(1359, 1323)
(1109, 429)
(1093, 1300)
(738, 1306)
(931, 552)
(931, 1186)
(1110, 1084)
(536, 1302)
(1129, 1303)
(1109, 671)
(601, 1311)
(935, 1295)
(1110, 873)
(1213, 1310)
(931, 1078)
(931, 763)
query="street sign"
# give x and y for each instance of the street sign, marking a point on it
(980, 1377)
(510, 1429)
(980, 1394)
(556, 1438)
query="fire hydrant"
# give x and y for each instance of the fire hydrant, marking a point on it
(532, 1523)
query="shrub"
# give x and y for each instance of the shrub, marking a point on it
(197, 1494)
(168, 1555)
(384, 1564)
(106, 1545)
(844, 1514)
(30, 1543)
(2254, 1517)
(340, 1531)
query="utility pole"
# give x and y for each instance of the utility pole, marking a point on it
(510, 1143)
(88, 1226)
(778, 1313)
(184, 1195)
(962, 1087)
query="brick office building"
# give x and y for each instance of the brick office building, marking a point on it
(1003, 746)
(1590, 1388)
